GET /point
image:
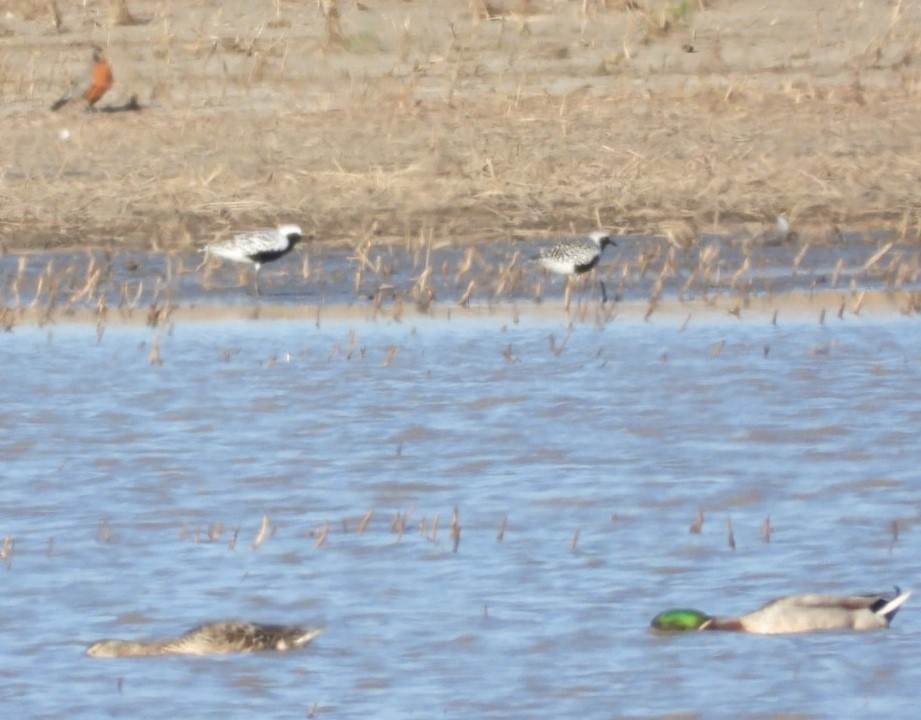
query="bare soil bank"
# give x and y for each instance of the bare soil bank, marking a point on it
(459, 120)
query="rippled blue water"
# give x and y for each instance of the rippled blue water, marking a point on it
(599, 456)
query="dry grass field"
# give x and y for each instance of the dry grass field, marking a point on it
(457, 120)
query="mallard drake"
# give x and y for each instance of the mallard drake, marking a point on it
(794, 614)
(216, 638)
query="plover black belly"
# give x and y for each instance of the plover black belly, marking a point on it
(257, 247)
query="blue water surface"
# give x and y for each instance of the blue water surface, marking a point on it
(116, 460)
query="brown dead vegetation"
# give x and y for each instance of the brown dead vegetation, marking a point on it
(460, 121)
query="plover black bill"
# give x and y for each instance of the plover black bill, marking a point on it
(257, 247)
(576, 256)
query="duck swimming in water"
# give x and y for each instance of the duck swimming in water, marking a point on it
(216, 638)
(794, 614)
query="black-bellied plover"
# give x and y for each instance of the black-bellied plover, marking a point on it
(576, 256)
(99, 83)
(218, 638)
(257, 247)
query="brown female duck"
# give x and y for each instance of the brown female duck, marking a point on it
(218, 638)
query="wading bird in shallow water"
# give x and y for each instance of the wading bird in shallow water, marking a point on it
(257, 247)
(100, 82)
(575, 256)
(217, 638)
(794, 614)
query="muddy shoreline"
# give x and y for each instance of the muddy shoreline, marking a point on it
(741, 277)
(461, 122)
(824, 307)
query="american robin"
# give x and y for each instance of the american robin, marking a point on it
(100, 81)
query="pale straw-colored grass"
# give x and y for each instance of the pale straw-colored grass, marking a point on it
(444, 122)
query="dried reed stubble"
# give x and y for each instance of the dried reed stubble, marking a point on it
(120, 13)
(57, 21)
(8, 317)
(464, 299)
(104, 532)
(724, 160)
(322, 535)
(510, 275)
(154, 357)
(455, 530)
(102, 315)
(574, 543)
(398, 525)
(332, 25)
(265, 529)
(6, 550)
(894, 534)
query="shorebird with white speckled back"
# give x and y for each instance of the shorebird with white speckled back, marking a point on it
(257, 247)
(576, 256)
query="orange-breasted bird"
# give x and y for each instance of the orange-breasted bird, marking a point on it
(101, 80)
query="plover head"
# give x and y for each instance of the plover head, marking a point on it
(601, 238)
(292, 232)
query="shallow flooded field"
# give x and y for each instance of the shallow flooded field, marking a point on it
(136, 481)
(736, 269)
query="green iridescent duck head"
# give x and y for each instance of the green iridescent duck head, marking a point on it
(679, 620)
